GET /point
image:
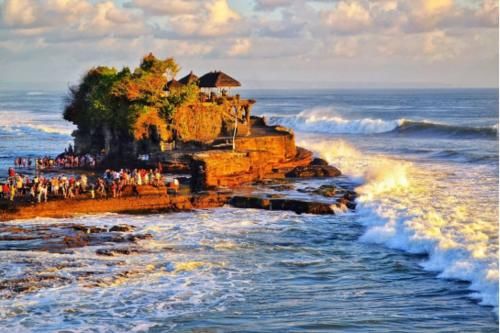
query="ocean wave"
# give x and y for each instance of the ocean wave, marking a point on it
(424, 127)
(28, 129)
(321, 120)
(28, 122)
(434, 210)
(324, 120)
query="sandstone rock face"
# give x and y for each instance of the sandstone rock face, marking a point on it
(297, 206)
(280, 147)
(150, 200)
(314, 171)
(270, 153)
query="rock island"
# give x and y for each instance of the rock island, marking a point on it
(194, 126)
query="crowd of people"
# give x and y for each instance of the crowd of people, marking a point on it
(69, 159)
(64, 161)
(111, 184)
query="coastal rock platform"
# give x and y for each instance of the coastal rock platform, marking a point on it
(142, 204)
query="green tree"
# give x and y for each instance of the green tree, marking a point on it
(106, 98)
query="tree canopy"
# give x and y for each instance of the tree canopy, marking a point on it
(120, 100)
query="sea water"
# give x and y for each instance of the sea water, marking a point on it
(420, 253)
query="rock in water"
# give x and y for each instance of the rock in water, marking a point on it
(326, 191)
(297, 206)
(300, 207)
(250, 202)
(122, 228)
(312, 171)
(319, 161)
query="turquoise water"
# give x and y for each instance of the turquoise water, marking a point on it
(419, 254)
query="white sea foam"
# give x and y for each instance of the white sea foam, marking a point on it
(444, 211)
(22, 122)
(325, 120)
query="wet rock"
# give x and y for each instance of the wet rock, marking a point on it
(306, 189)
(138, 237)
(282, 187)
(297, 206)
(89, 229)
(319, 161)
(301, 207)
(250, 202)
(351, 195)
(345, 202)
(274, 196)
(117, 251)
(326, 191)
(312, 171)
(30, 284)
(122, 228)
(78, 240)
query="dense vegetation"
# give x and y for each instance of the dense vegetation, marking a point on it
(127, 104)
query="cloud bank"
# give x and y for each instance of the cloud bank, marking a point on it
(384, 42)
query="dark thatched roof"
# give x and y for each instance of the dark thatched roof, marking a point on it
(173, 84)
(188, 79)
(217, 80)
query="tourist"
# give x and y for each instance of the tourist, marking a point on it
(38, 189)
(12, 189)
(6, 190)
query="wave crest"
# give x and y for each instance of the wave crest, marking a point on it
(324, 120)
(321, 120)
(29, 128)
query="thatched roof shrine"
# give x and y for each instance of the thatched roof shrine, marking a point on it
(173, 84)
(217, 80)
(188, 79)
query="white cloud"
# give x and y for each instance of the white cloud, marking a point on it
(240, 47)
(64, 20)
(161, 8)
(415, 34)
(346, 47)
(19, 13)
(271, 4)
(348, 17)
(437, 46)
(217, 18)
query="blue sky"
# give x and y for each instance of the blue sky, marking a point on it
(263, 43)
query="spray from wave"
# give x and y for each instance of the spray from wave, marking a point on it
(426, 209)
(24, 123)
(324, 120)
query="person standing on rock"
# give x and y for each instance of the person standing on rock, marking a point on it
(12, 189)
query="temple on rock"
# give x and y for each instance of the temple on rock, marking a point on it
(191, 125)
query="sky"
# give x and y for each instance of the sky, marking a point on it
(263, 43)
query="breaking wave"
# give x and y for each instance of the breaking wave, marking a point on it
(29, 128)
(323, 120)
(426, 210)
(25, 123)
